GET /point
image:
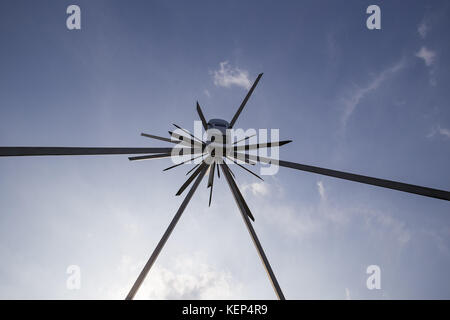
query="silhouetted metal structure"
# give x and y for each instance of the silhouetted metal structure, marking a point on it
(214, 155)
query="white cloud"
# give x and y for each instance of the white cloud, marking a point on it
(398, 229)
(189, 278)
(347, 294)
(427, 55)
(256, 188)
(321, 190)
(333, 48)
(439, 237)
(206, 92)
(444, 132)
(227, 76)
(439, 130)
(296, 222)
(423, 29)
(185, 277)
(359, 93)
(303, 222)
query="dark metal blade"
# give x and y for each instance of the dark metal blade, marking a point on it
(218, 171)
(238, 112)
(261, 145)
(234, 177)
(151, 136)
(186, 140)
(151, 156)
(192, 177)
(164, 238)
(246, 169)
(212, 167)
(74, 151)
(184, 130)
(400, 186)
(174, 152)
(242, 157)
(243, 208)
(210, 196)
(246, 138)
(202, 117)
(184, 162)
(193, 169)
(247, 209)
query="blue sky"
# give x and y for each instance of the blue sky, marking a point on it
(373, 102)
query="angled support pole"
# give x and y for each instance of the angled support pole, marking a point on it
(164, 238)
(245, 215)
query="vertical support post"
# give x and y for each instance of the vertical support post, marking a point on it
(164, 238)
(243, 209)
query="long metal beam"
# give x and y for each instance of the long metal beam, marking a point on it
(395, 185)
(165, 236)
(241, 107)
(242, 207)
(74, 151)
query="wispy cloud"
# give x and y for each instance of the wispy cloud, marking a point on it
(429, 58)
(185, 277)
(397, 229)
(321, 190)
(427, 55)
(423, 29)
(359, 93)
(227, 76)
(309, 221)
(445, 132)
(347, 294)
(189, 278)
(439, 130)
(256, 188)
